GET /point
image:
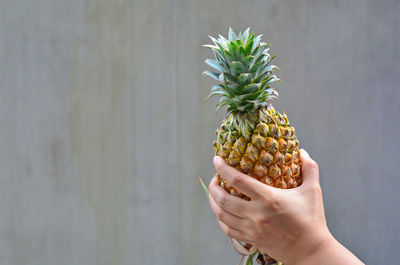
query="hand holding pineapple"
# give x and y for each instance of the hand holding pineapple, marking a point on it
(274, 220)
(289, 225)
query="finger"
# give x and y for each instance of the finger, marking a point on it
(226, 217)
(243, 183)
(227, 202)
(232, 232)
(309, 169)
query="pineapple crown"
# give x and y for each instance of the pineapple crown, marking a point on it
(243, 68)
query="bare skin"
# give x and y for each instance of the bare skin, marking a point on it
(289, 225)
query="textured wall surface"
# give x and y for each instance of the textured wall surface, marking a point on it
(103, 130)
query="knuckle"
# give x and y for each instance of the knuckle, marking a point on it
(236, 179)
(220, 215)
(273, 203)
(223, 200)
(313, 164)
(261, 220)
(229, 232)
(316, 189)
(254, 235)
(210, 186)
(219, 165)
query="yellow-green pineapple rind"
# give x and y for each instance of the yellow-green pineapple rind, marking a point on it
(268, 152)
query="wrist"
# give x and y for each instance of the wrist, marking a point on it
(330, 252)
(309, 247)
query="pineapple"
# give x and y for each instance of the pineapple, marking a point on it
(254, 137)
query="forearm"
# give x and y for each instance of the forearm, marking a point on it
(330, 252)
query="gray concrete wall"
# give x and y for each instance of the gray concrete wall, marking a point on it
(103, 130)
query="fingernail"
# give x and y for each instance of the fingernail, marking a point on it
(304, 153)
(215, 159)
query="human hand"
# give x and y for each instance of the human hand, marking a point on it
(288, 225)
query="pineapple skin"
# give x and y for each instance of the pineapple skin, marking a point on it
(267, 151)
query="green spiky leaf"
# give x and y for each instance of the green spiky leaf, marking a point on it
(232, 35)
(204, 187)
(245, 35)
(244, 71)
(214, 64)
(211, 74)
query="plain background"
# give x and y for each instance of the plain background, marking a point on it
(103, 131)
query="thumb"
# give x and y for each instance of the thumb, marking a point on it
(309, 169)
